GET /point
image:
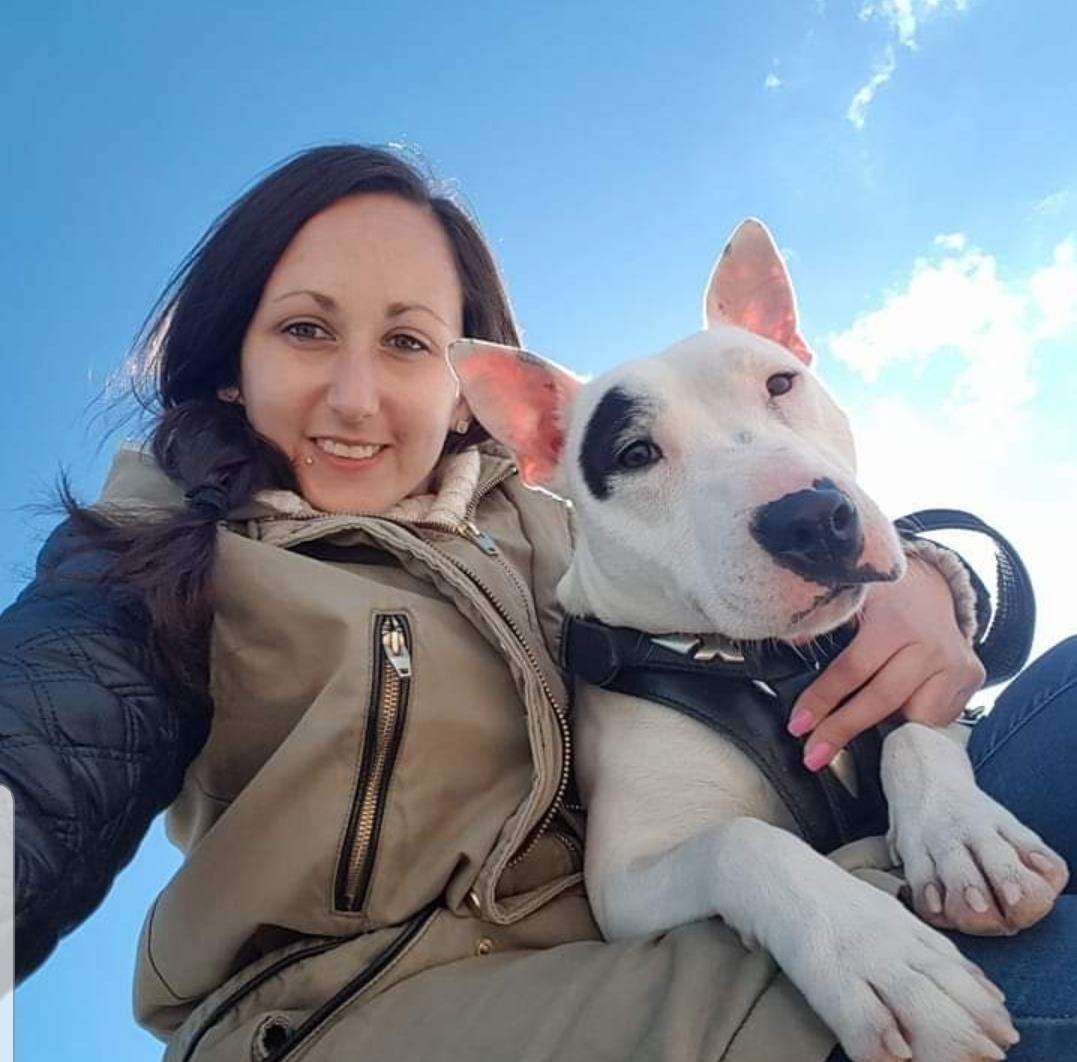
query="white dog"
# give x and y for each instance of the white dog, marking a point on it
(714, 492)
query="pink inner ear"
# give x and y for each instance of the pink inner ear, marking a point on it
(750, 288)
(521, 400)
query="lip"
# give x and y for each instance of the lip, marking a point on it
(346, 442)
(349, 464)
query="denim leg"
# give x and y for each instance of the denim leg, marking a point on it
(1037, 972)
(1024, 752)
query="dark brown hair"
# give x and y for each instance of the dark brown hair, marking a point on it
(189, 348)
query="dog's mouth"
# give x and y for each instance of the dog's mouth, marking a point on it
(846, 591)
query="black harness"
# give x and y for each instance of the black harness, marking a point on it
(746, 697)
(746, 692)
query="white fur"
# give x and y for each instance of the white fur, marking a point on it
(681, 825)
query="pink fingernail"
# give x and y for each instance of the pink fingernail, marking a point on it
(1040, 861)
(818, 756)
(801, 722)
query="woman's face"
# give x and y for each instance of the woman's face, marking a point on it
(347, 352)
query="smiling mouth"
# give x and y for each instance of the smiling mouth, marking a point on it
(349, 459)
(356, 451)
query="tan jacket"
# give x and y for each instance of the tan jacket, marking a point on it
(376, 865)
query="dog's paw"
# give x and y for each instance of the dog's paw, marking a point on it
(893, 988)
(972, 866)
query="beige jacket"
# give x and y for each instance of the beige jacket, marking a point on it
(377, 865)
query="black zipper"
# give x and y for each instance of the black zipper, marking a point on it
(410, 931)
(386, 716)
(356, 984)
(249, 986)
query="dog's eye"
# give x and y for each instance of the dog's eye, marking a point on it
(780, 382)
(639, 454)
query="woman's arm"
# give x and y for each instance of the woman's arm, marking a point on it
(91, 746)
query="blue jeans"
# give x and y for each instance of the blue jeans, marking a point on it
(1025, 755)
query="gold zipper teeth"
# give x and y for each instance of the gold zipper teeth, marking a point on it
(558, 711)
(559, 714)
(388, 709)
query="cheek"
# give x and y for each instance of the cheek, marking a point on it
(424, 407)
(274, 400)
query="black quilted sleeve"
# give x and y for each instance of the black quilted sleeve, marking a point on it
(92, 746)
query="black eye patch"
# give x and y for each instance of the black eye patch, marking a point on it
(616, 417)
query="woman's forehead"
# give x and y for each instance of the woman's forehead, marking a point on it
(374, 244)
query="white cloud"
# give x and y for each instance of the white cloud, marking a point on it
(858, 108)
(1053, 203)
(772, 81)
(904, 17)
(972, 444)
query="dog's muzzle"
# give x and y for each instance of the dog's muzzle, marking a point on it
(815, 533)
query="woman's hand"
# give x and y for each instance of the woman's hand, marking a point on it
(908, 654)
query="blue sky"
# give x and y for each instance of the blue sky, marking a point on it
(608, 150)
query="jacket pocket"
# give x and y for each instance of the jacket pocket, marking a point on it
(284, 1030)
(387, 709)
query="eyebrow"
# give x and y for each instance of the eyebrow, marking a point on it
(327, 302)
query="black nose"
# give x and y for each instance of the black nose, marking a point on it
(815, 533)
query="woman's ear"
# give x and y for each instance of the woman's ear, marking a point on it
(461, 418)
(230, 394)
(522, 400)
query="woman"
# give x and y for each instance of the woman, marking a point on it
(315, 619)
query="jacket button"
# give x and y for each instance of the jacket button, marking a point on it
(483, 946)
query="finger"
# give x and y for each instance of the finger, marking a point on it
(891, 687)
(846, 673)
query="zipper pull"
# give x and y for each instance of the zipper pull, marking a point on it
(395, 643)
(481, 539)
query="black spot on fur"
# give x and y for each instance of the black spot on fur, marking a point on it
(616, 418)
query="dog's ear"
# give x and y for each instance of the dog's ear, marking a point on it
(522, 400)
(750, 287)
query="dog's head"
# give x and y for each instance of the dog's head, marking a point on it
(713, 483)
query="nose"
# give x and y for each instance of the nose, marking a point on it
(353, 388)
(815, 533)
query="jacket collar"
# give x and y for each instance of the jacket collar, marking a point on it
(136, 481)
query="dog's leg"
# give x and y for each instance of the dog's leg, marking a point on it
(970, 864)
(658, 856)
(888, 985)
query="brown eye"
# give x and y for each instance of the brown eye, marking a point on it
(780, 382)
(639, 454)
